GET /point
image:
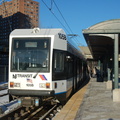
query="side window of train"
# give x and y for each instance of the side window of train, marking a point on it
(58, 61)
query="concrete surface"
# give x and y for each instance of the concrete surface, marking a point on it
(98, 103)
(70, 109)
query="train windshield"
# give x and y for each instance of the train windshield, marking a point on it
(30, 54)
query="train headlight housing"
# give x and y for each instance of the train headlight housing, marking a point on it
(11, 84)
(47, 85)
(16, 84)
(42, 85)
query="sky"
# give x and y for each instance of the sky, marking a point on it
(79, 14)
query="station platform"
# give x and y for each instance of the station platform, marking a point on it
(92, 102)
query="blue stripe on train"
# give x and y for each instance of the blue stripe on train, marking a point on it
(60, 93)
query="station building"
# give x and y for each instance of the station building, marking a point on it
(103, 40)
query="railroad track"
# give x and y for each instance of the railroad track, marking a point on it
(2, 92)
(1, 95)
(32, 113)
(3, 87)
(19, 113)
(49, 113)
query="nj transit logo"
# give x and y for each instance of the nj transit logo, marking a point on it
(43, 77)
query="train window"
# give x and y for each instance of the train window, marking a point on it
(58, 61)
(30, 54)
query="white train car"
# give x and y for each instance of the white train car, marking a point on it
(42, 63)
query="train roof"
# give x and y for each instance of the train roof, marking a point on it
(48, 32)
(36, 31)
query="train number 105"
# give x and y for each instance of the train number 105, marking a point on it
(62, 36)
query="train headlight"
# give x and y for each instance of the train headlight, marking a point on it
(42, 85)
(16, 84)
(11, 84)
(47, 85)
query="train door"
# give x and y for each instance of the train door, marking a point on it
(78, 73)
(70, 72)
(81, 71)
(74, 74)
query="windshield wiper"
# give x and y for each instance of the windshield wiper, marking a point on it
(36, 74)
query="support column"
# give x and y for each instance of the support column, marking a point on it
(116, 91)
(116, 53)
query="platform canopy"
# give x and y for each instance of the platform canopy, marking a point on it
(100, 37)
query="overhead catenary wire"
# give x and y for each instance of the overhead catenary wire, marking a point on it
(51, 4)
(70, 30)
(66, 22)
(55, 16)
(62, 16)
(52, 1)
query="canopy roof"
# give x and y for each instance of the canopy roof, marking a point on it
(100, 37)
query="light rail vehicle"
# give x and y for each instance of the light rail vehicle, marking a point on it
(43, 63)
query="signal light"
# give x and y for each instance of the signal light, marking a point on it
(47, 85)
(11, 84)
(55, 85)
